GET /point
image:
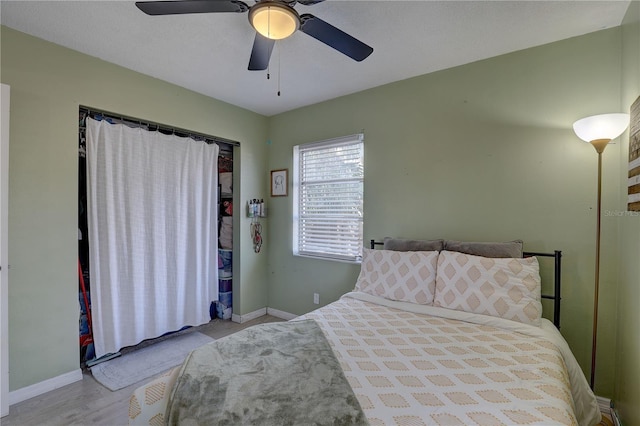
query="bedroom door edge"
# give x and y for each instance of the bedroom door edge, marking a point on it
(4, 266)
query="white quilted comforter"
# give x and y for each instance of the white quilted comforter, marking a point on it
(412, 364)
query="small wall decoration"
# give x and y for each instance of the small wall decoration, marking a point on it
(279, 183)
(633, 200)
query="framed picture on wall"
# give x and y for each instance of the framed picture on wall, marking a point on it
(279, 183)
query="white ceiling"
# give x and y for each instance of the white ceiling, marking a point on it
(209, 53)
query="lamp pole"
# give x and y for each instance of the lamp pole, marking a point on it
(599, 145)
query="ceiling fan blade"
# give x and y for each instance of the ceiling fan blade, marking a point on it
(333, 37)
(261, 53)
(309, 2)
(178, 7)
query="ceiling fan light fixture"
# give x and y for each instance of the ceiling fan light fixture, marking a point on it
(274, 20)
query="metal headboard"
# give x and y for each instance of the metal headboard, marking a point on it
(557, 278)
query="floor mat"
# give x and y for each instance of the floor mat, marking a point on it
(145, 363)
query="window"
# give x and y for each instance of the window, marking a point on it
(328, 181)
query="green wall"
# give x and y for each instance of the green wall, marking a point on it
(48, 82)
(482, 152)
(627, 376)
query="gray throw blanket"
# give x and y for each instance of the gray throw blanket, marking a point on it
(269, 374)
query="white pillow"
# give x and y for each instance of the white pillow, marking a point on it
(502, 287)
(407, 276)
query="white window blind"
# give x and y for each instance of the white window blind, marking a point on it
(328, 179)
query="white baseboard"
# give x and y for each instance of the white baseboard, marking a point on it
(248, 317)
(280, 314)
(260, 312)
(45, 386)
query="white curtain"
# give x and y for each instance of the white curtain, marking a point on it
(152, 233)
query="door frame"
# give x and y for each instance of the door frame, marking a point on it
(4, 266)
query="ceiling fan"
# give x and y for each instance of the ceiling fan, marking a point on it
(272, 19)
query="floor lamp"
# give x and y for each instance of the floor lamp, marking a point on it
(599, 130)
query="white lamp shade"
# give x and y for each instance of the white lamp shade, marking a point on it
(274, 20)
(603, 126)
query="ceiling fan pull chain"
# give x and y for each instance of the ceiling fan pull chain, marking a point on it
(279, 69)
(268, 33)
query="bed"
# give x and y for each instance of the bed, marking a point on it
(422, 340)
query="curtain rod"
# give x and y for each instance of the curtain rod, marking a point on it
(158, 126)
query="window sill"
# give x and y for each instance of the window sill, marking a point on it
(331, 259)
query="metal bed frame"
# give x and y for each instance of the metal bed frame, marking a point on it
(557, 278)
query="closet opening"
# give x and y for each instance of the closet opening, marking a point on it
(219, 308)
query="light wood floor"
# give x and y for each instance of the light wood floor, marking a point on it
(89, 403)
